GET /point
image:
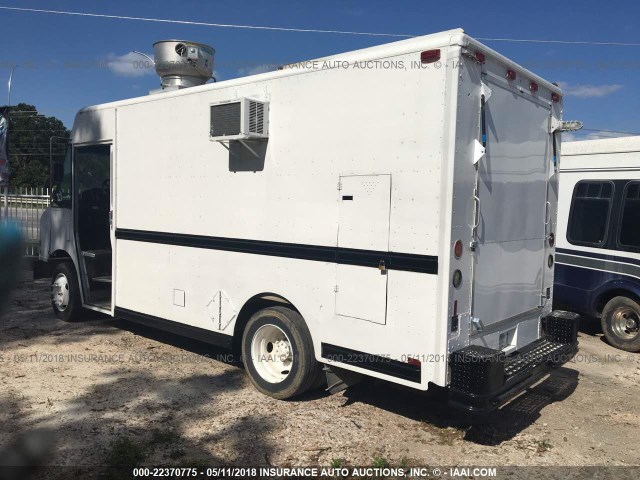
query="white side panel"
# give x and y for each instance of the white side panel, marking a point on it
(291, 196)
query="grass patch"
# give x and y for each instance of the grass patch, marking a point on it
(543, 446)
(336, 462)
(380, 462)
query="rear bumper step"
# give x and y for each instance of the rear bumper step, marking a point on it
(482, 378)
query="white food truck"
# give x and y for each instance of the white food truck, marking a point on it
(387, 212)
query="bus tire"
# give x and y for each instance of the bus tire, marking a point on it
(278, 354)
(621, 323)
(65, 293)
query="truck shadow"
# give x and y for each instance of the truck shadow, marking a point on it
(499, 426)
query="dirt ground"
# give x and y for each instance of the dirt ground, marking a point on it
(116, 392)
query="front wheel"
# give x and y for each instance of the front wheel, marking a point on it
(621, 323)
(278, 354)
(65, 293)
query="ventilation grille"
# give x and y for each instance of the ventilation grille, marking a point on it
(256, 117)
(225, 119)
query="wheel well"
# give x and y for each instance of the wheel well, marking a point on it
(620, 292)
(58, 255)
(253, 305)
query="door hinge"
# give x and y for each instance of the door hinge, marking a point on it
(476, 324)
(339, 186)
(336, 289)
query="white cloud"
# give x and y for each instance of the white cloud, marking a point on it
(130, 64)
(588, 91)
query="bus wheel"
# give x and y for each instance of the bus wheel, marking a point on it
(278, 354)
(621, 323)
(65, 294)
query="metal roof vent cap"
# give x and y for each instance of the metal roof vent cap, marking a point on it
(183, 64)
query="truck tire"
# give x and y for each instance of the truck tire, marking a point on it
(278, 354)
(621, 323)
(65, 293)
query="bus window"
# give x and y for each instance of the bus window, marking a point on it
(629, 234)
(589, 216)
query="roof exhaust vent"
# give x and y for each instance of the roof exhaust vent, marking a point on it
(182, 64)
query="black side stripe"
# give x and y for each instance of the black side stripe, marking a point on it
(201, 334)
(375, 363)
(347, 256)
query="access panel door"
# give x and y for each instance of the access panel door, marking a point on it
(363, 236)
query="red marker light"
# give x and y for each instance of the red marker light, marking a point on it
(533, 86)
(480, 57)
(413, 361)
(430, 56)
(511, 74)
(555, 97)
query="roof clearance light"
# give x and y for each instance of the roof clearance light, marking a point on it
(511, 74)
(480, 57)
(533, 86)
(430, 56)
(555, 97)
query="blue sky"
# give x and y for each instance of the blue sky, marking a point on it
(62, 58)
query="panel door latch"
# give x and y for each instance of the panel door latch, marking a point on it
(382, 267)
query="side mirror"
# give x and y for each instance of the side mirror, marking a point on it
(58, 172)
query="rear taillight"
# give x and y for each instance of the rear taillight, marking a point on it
(430, 56)
(511, 74)
(457, 278)
(457, 249)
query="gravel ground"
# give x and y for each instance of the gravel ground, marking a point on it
(114, 392)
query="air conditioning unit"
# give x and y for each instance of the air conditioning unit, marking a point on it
(242, 119)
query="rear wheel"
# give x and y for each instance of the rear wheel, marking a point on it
(65, 293)
(621, 323)
(278, 354)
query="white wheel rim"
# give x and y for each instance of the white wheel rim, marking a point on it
(60, 292)
(271, 353)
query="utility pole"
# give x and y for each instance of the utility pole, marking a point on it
(6, 180)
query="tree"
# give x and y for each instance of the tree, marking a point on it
(29, 135)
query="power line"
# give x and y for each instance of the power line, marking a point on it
(609, 131)
(203, 24)
(303, 30)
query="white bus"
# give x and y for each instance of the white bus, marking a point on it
(598, 254)
(387, 212)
